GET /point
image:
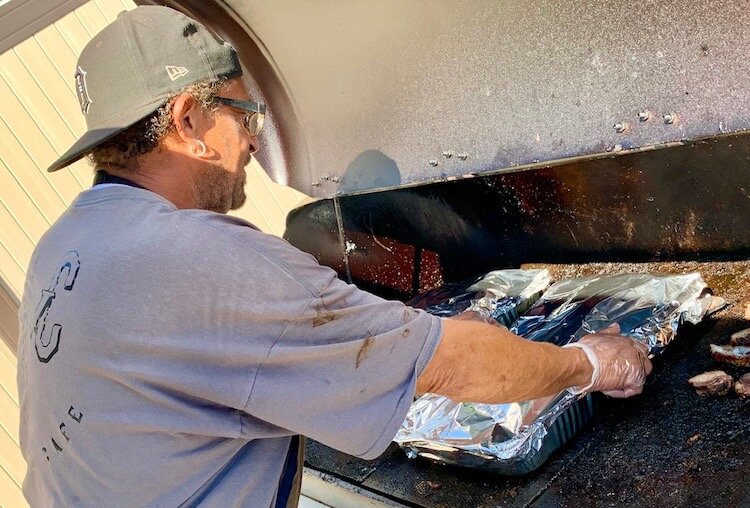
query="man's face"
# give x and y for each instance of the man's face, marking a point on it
(220, 183)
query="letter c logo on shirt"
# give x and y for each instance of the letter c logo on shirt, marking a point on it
(46, 335)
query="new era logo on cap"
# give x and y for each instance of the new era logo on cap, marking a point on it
(175, 72)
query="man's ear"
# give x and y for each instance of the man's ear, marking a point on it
(189, 118)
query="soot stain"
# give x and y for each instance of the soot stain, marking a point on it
(189, 30)
(322, 318)
(363, 351)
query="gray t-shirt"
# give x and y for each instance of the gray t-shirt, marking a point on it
(168, 356)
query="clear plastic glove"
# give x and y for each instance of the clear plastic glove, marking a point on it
(620, 364)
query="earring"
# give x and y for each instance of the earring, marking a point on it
(201, 150)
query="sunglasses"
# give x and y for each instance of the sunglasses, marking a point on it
(256, 112)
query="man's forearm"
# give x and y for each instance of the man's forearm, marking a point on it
(481, 362)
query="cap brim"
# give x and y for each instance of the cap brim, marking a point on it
(94, 137)
(84, 145)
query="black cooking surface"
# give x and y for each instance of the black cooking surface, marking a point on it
(666, 447)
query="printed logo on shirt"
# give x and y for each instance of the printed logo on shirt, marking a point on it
(60, 436)
(46, 332)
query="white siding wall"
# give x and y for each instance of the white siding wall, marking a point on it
(12, 466)
(39, 119)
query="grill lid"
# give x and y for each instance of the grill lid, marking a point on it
(386, 94)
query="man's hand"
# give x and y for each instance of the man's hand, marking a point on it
(620, 364)
(480, 362)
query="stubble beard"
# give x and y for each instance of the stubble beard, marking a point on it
(239, 197)
(219, 190)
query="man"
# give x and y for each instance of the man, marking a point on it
(171, 354)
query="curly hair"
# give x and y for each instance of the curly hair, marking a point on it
(140, 138)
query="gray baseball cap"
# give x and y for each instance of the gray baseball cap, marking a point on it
(129, 69)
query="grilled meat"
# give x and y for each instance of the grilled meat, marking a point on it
(711, 384)
(735, 355)
(742, 386)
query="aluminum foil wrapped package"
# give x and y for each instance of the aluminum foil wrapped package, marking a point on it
(501, 295)
(647, 307)
(516, 438)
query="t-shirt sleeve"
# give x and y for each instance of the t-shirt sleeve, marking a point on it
(344, 373)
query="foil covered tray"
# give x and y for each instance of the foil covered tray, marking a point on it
(516, 438)
(501, 295)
